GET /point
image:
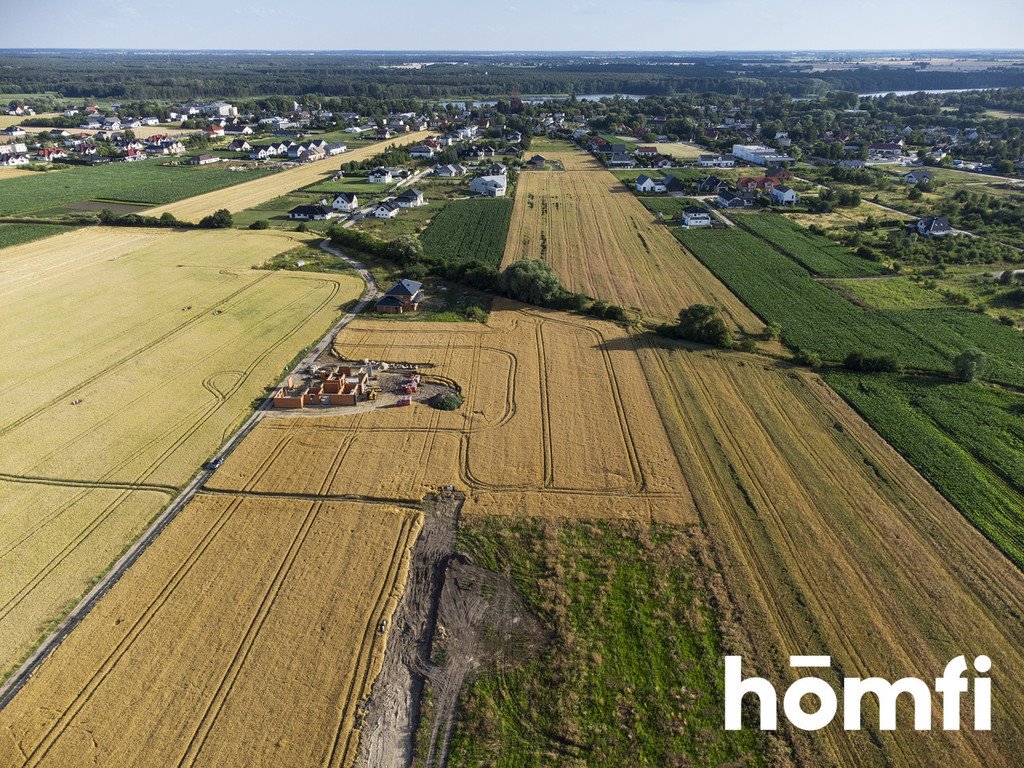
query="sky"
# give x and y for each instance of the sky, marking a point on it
(504, 25)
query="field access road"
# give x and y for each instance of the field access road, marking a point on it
(18, 679)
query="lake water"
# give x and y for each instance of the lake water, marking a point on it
(934, 90)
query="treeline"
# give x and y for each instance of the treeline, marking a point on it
(528, 280)
(79, 74)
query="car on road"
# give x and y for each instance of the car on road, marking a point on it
(214, 463)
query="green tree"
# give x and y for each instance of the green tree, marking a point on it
(406, 249)
(969, 364)
(702, 323)
(531, 281)
(221, 219)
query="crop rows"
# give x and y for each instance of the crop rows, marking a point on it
(469, 230)
(817, 319)
(817, 254)
(968, 441)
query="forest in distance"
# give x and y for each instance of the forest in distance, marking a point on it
(171, 75)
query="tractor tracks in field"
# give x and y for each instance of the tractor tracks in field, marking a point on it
(17, 680)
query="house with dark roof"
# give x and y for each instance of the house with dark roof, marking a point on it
(385, 210)
(696, 216)
(730, 199)
(783, 195)
(933, 226)
(918, 176)
(646, 185)
(345, 201)
(311, 212)
(410, 198)
(711, 185)
(404, 296)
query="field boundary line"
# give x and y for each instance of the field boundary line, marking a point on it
(18, 679)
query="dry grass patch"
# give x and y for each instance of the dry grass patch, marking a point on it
(603, 242)
(247, 634)
(251, 193)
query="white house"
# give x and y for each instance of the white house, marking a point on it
(386, 210)
(918, 177)
(410, 198)
(716, 161)
(934, 226)
(380, 176)
(422, 151)
(783, 195)
(308, 212)
(695, 216)
(345, 201)
(450, 171)
(489, 186)
(645, 184)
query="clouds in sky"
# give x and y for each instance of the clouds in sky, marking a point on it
(663, 25)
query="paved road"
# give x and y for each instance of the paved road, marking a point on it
(17, 680)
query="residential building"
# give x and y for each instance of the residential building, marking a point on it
(783, 195)
(646, 185)
(345, 201)
(380, 176)
(934, 226)
(386, 210)
(489, 186)
(403, 296)
(695, 216)
(311, 212)
(410, 198)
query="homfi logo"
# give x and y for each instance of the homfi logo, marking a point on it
(951, 686)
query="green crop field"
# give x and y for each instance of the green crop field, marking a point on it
(815, 318)
(15, 234)
(469, 230)
(145, 182)
(816, 254)
(966, 439)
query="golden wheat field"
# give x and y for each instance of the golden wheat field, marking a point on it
(251, 193)
(129, 356)
(799, 496)
(602, 242)
(558, 421)
(13, 173)
(246, 635)
(680, 150)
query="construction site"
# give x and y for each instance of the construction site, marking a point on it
(360, 386)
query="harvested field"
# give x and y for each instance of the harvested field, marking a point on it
(129, 356)
(680, 150)
(830, 543)
(7, 172)
(246, 635)
(569, 155)
(525, 376)
(252, 193)
(603, 242)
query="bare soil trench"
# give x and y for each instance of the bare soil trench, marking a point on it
(454, 619)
